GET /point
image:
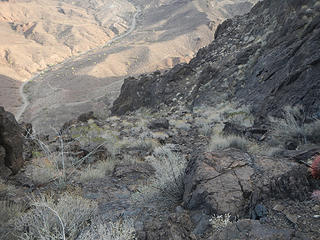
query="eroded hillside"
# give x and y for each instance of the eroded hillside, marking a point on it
(38, 34)
(160, 35)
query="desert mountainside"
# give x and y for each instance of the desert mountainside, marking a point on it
(219, 143)
(137, 36)
(37, 34)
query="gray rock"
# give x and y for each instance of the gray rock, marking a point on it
(230, 181)
(11, 140)
(159, 123)
(4, 170)
(259, 212)
(252, 230)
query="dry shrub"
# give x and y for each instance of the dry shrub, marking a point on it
(122, 229)
(55, 220)
(290, 127)
(10, 210)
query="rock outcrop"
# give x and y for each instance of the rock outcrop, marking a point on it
(266, 59)
(232, 181)
(251, 229)
(11, 144)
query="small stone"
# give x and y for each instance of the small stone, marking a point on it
(316, 208)
(259, 212)
(292, 218)
(278, 207)
(291, 145)
(179, 209)
(159, 123)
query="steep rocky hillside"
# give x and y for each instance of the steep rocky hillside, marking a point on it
(266, 59)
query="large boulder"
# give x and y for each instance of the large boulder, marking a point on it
(177, 226)
(231, 181)
(11, 143)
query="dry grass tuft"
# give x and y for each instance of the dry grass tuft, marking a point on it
(220, 221)
(292, 127)
(219, 142)
(97, 171)
(167, 187)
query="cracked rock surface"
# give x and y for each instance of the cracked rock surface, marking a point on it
(231, 181)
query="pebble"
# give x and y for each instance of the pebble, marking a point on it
(278, 208)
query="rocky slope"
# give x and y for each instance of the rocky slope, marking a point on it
(265, 59)
(185, 159)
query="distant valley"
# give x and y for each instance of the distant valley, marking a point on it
(38, 36)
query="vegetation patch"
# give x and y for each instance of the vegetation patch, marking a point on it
(48, 218)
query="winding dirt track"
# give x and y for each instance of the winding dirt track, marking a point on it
(24, 96)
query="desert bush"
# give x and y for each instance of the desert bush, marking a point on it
(274, 151)
(97, 170)
(211, 120)
(122, 229)
(180, 124)
(55, 220)
(128, 144)
(59, 166)
(219, 142)
(161, 136)
(292, 127)
(170, 169)
(43, 170)
(204, 126)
